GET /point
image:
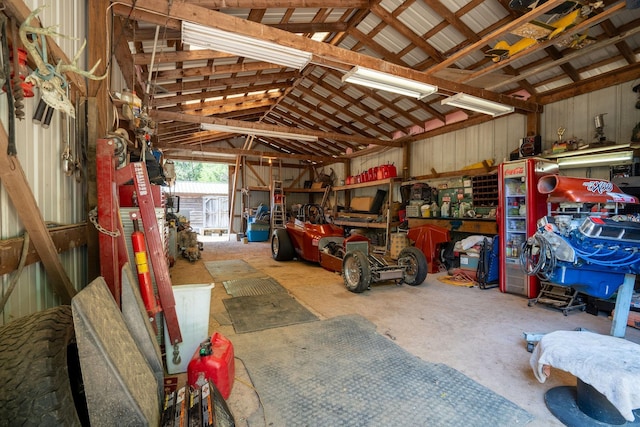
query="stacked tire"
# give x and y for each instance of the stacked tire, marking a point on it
(40, 371)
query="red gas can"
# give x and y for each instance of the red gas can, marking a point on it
(214, 360)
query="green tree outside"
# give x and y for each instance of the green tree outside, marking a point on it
(201, 172)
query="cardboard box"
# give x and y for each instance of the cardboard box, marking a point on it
(469, 261)
(634, 319)
(361, 204)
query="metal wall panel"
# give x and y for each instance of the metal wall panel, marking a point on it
(59, 198)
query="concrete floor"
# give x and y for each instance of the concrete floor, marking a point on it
(478, 332)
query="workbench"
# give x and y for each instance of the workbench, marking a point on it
(487, 226)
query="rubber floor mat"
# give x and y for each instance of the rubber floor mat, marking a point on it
(231, 269)
(341, 372)
(252, 286)
(258, 312)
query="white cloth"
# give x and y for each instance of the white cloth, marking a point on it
(610, 365)
(469, 242)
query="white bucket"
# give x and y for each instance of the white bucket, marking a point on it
(192, 308)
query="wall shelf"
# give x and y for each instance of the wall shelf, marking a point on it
(367, 220)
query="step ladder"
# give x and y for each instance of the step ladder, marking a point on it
(278, 212)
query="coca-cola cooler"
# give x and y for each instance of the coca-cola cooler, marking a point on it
(520, 206)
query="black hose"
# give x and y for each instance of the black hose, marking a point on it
(544, 264)
(6, 69)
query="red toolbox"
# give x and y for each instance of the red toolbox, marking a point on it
(213, 360)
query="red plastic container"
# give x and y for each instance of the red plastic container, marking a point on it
(213, 360)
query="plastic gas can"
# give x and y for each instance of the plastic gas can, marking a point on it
(213, 360)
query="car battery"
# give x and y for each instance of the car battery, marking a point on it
(214, 360)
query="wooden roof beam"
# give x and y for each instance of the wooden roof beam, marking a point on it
(319, 111)
(230, 92)
(322, 52)
(583, 26)
(251, 153)
(320, 100)
(391, 20)
(162, 115)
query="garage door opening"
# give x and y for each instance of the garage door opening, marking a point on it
(200, 195)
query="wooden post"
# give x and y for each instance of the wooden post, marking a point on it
(19, 191)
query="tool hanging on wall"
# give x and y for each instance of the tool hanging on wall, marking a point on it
(49, 79)
(6, 71)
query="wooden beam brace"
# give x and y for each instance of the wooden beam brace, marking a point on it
(192, 118)
(257, 176)
(64, 238)
(15, 182)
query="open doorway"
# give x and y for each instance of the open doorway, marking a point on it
(202, 192)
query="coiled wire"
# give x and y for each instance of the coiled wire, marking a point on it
(541, 263)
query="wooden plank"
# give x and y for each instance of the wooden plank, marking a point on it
(15, 182)
(64, 238)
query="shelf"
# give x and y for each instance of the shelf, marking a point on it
(375, 183)
(290, 190)
(363, 224)
(366, 220)
(484, 190)
(595, 150)
(466, 225)
(304, 190)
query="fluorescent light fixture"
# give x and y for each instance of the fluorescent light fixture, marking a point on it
(258, 132)
(473, 103)
(605, 159)
(248, 47)
(388, 82)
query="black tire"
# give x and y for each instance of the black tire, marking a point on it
(415, 265)
(40, 366)
(281, 247)
(356, 271)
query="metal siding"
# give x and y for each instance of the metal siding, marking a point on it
(456, 150)
(59, 198)
(577, 115)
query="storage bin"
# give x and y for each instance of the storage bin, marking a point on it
(258, 231)
(192, 308)
(469, 261)
(258, 235)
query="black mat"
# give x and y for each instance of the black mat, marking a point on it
(259, 312)
(231, 269)
(341, 372)
(252, 286)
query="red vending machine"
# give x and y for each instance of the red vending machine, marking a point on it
(520, 207)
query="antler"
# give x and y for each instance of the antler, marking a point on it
(50, 79)
(44, 68)
(32, 47)
(73, 67)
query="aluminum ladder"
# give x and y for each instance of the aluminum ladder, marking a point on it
(278, 213)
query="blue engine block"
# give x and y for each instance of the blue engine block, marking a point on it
(593, 258)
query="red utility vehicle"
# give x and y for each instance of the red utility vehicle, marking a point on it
(312, 238)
